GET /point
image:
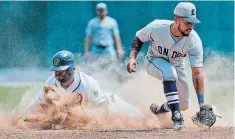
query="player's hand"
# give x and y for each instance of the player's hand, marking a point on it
(205, 105)
(120, 53)
(132, 65)
(209, 107)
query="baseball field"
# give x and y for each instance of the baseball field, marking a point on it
(215, 133)
(141, 90)
(33, 31)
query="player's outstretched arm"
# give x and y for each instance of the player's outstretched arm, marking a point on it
(118, 43)
(206, 115)
(135, 48)
(198, 82)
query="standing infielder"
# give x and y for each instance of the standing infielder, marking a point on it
(170, 42)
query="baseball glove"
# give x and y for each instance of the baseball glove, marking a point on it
(205, 117)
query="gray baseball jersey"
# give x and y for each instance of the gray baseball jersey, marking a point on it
(166, 53)
(102, 32)
(163, 45)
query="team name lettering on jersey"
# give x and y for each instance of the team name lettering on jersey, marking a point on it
(162, 51)
(177, 54)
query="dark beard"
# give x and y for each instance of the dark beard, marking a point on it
(182, 32)
(65, 79)
(69, 74)
(101, 16)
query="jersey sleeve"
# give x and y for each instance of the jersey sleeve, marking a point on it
(145, 33)
(196, 53)
(40, 96)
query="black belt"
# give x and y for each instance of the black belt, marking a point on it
(101, 46)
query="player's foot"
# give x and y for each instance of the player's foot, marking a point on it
(178, 120)
(155, 108)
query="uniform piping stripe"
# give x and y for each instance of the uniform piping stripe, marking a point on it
(78, 84)
(156, 67)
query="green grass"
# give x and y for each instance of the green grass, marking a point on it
(10, 97)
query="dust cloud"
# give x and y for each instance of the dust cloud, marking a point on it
(139, 89)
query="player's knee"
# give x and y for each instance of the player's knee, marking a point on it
(170, 78)
(170, 75)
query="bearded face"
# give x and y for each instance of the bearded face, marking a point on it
(184, 27)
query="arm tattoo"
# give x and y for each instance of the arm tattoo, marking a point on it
(136, 44)
(196, 85)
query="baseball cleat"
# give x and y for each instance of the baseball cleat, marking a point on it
(178, 120)
(154, 108)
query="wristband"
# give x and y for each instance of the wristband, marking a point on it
(200, 98)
